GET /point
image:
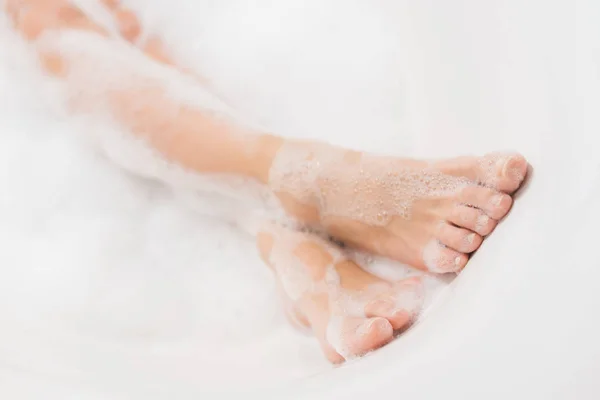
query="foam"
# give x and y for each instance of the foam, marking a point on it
(298, 283)
(336, 336)
(361, 187)
(292, 273)
(345, 304)
(91, 82)
(436, 260)
(410, 298)
(492, 163)
(114, 280)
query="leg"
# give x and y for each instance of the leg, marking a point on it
(350, 311)
(453, 203)
(204, 139)
(430, 215)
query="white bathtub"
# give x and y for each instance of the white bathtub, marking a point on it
(522, 321)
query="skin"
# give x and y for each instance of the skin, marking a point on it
(451, 225)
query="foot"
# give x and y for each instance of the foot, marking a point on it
(350, 311)
(131, 30)
(32, 18)
(430, 215)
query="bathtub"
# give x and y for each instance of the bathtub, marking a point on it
(521, 321)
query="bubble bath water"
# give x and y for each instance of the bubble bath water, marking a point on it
(107, 274)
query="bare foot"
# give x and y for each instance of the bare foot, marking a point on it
(430, 215)
(131, 29)
(350, 311)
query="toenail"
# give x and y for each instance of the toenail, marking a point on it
(471, 238)
(366, 327)
(511, 171)
(515, 175)
(506, 168)
(457, 261)
(482, 221)
(497, 199)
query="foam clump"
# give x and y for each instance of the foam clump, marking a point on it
(361, 187)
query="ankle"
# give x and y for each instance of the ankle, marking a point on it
(266, 149)
(295, 176)
(303, 174)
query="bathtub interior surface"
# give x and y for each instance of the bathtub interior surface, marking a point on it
(520, 322)
(435, 79)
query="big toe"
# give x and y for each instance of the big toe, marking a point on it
(502, 171)
(400, 305)
(353, 337)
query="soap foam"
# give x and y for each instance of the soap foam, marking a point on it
(436, 260)
(110, 278)
(360, 187)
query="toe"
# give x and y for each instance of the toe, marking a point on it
(32, 18)
(503, 171)
(459, 239)
(112, 4)
(11, 7)
(129, 25)
(514, 172)
(439, 259)
(23, 16)
(354, 336)
(400, 305)
(127, 21)
(471, 218)
(31, 23)
(495, 204)
(369, 335)
(385, 307)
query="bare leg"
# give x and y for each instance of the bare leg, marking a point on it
(450, 223)
(201, 140)
(430, 215)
